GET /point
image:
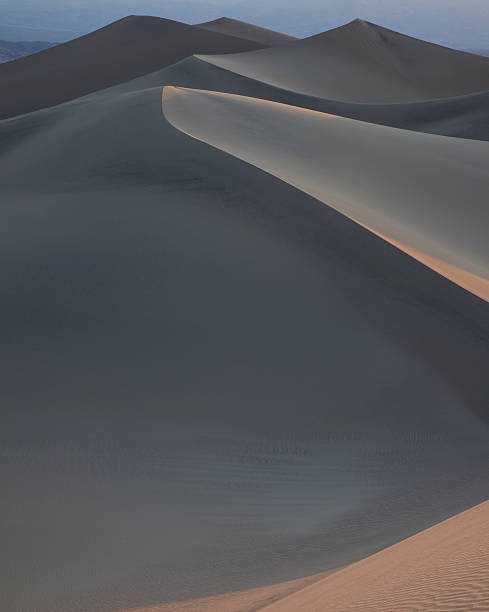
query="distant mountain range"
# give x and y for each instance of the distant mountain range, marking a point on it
(59, 21)
(448, 22)
(484, 52)
(13, 50)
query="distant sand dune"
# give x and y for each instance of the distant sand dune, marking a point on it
(425, 194)
(363, 62)
(121, 51)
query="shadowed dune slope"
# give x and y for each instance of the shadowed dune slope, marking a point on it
(445, 567)
(123, 50)
(234, 27)
(425, 194)
(210, 381)
(363, 62)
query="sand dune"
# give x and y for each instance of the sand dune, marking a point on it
(363, 62)
(248, 31)
(212, 383)
(445, 567)
(423, 193)
(190, 328)
(123, 50)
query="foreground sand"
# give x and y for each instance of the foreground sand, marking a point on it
(445, 567)
(423, 193)
(239, 601)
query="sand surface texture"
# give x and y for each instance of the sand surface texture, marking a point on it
(444, 568)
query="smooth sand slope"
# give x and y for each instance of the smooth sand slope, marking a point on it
(123, 50)
(425, 194)
(444, 568)
(210, 381)
(241, 29)
(363, 62)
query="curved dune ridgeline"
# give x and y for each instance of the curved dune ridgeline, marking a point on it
(399, 184)
(460, 116)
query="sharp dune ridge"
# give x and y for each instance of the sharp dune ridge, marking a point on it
(365, 63)
(241, 29)
(215, 390)
(429, 211)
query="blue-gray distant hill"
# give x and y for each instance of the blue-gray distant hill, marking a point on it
(13, 50)
(484, 52)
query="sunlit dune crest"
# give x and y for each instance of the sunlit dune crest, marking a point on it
(425, 194)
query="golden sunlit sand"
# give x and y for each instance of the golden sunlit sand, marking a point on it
(443, 568)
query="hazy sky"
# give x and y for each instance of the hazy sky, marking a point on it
(463, 23)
